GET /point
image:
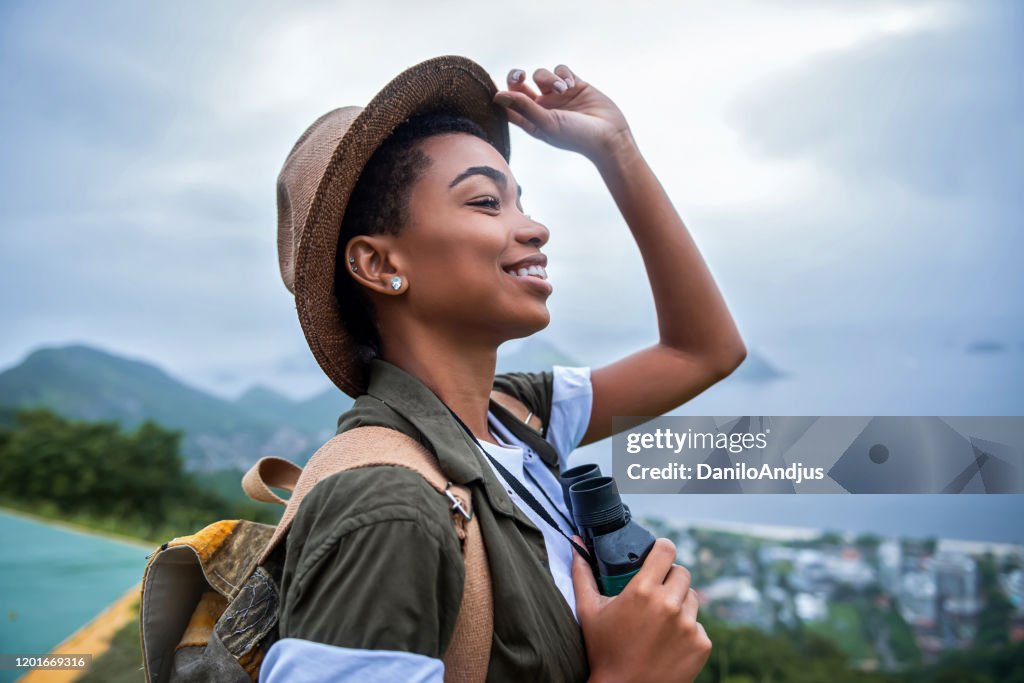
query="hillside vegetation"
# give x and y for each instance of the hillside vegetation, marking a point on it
(93, 473)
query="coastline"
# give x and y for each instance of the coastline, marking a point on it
(789, 533)
(767, 531)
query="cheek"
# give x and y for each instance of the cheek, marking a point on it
(453, 268)
(454, 280)
(462, 259)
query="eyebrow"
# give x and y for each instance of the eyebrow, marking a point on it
(492, 173)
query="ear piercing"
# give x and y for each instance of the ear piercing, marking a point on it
(396, 281)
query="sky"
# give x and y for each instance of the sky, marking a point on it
(849, 170)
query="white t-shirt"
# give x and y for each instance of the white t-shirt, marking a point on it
(293, 660)
(571, 401)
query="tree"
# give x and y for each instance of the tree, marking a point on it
(135, 480)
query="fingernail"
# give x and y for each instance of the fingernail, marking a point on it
(517, 75)
(570, 81)
(504, 99)
(560, 86)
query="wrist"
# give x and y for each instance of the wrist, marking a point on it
(618, 150)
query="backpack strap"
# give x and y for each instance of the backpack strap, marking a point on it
(468, 654)
(267, 472)
(526, 426)
(518, 409)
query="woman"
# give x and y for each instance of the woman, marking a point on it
(404, 239)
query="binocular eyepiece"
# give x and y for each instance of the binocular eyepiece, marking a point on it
(618, 546)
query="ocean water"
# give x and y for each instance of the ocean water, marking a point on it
(53, 580)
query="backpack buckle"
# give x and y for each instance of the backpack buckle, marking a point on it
(456, 504)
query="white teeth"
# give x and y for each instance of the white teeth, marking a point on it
(535, 271)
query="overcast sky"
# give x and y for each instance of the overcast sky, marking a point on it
(842, 166)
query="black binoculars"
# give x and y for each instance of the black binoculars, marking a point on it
(618, 546)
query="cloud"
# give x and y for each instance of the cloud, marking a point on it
(915, 138)
(933, 110)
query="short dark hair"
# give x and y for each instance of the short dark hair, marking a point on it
(379, 204)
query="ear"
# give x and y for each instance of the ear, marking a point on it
(372, 260)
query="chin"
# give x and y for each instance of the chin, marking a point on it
(527, 323)
(535, 324)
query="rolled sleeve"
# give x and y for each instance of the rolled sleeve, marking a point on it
(373, 564)
(572, 398)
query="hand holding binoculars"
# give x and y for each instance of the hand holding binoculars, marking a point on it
(618, 546)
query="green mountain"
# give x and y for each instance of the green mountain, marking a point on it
(314, 414)
(86, 383)
(89, 384)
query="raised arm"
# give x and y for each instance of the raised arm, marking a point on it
(698, 343)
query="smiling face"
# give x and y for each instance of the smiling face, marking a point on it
(471, 259)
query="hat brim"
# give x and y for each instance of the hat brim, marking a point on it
(449, 84)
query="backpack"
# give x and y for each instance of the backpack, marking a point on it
(210, 601)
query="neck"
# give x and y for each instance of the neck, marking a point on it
(459, 370)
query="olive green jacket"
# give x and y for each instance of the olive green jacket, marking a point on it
(373, 561)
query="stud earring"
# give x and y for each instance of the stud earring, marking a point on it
(352, 262)
(396, 283)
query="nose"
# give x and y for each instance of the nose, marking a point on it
(533, 232)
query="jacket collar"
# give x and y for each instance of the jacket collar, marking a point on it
(417, 404)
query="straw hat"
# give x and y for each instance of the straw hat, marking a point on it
(318, 177)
